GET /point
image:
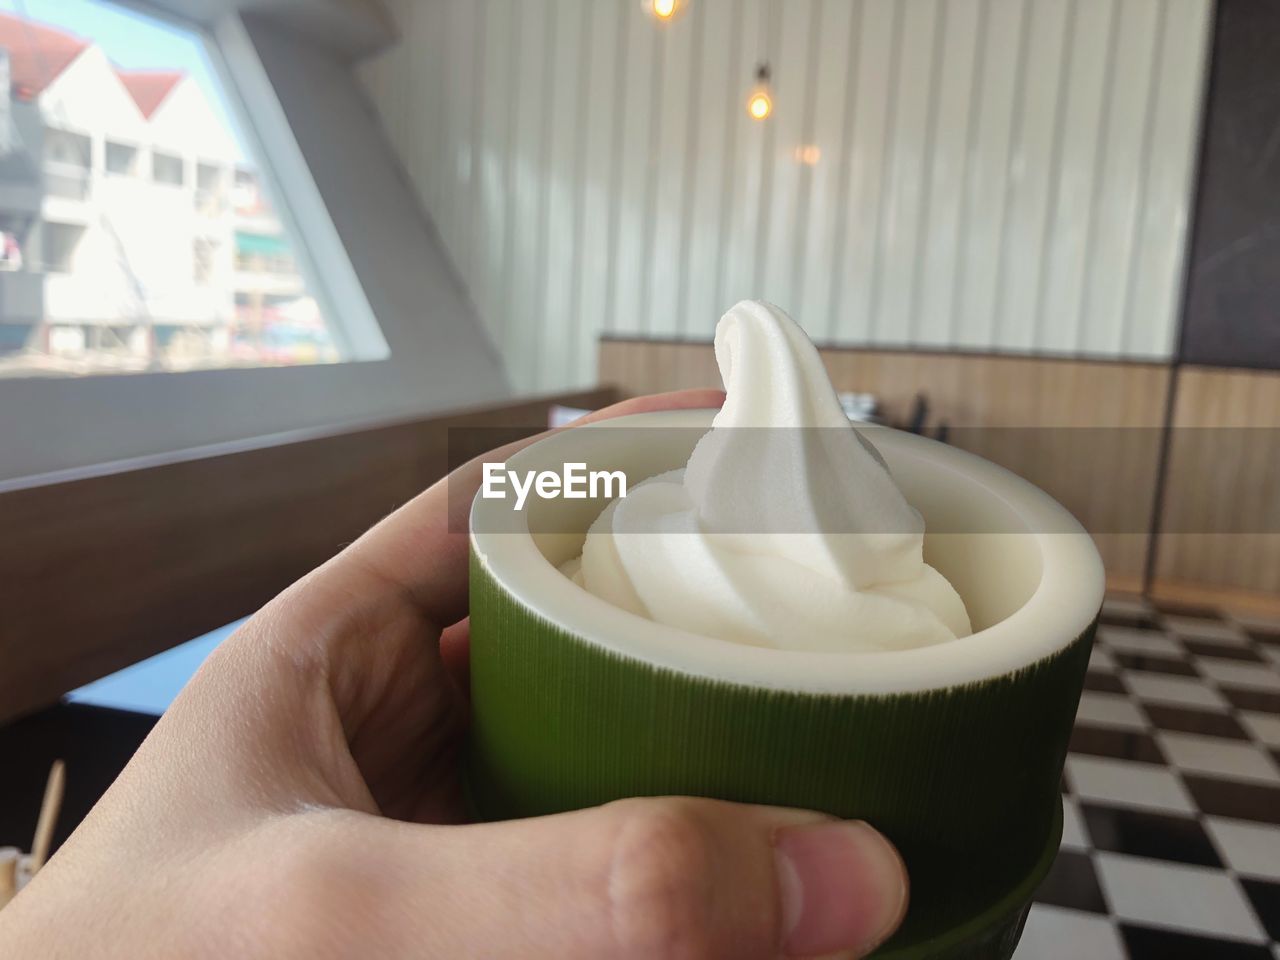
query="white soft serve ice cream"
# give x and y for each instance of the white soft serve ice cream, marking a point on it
(792, 538)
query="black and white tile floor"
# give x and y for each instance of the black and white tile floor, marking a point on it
(1171, 800)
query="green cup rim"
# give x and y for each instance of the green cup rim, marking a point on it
(1059, 609)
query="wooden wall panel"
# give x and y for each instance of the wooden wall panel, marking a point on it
(1224, 476)
(98, 573)
(967, 390)
(993, 175)
(1088, 457)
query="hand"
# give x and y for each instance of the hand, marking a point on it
(301, 798)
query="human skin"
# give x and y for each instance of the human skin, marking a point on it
(302, 798)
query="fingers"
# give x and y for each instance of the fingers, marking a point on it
(455, 652)
(419, 548)
(645, 878)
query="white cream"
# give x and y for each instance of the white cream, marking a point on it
(790, 538)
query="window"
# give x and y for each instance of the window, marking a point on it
(166, 168)
(211, 188)
(205, 252)
(60, 243)
(67, 163)
(119, 276)
(121, 159)
(67, 148)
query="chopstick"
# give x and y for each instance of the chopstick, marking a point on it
(17, 868)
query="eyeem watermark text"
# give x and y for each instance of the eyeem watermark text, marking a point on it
(575, 482)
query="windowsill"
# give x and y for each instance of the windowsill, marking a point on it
(150, 686)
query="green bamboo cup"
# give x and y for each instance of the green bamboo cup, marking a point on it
(954, 751)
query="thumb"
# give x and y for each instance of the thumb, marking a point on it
(654, 877)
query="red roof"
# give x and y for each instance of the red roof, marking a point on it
(149, 87)
(37, 53)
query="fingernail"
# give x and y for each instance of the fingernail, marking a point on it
(843, 888)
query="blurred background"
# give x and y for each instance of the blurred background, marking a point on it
(259, 257)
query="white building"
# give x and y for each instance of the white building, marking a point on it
(129, 250)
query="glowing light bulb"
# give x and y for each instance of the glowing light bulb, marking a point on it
(760, 103)
(759, 106)
(664, 9)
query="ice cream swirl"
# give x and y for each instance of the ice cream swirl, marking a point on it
(785, 529)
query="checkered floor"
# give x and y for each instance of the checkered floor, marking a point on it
(1171, 844)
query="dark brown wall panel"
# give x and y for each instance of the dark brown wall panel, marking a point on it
(98, 573)
(1233, 305)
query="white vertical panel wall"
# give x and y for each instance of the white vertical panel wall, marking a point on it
(991, 175)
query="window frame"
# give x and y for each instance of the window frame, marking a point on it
(136, 150)
(414, 343)
(167, 157)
